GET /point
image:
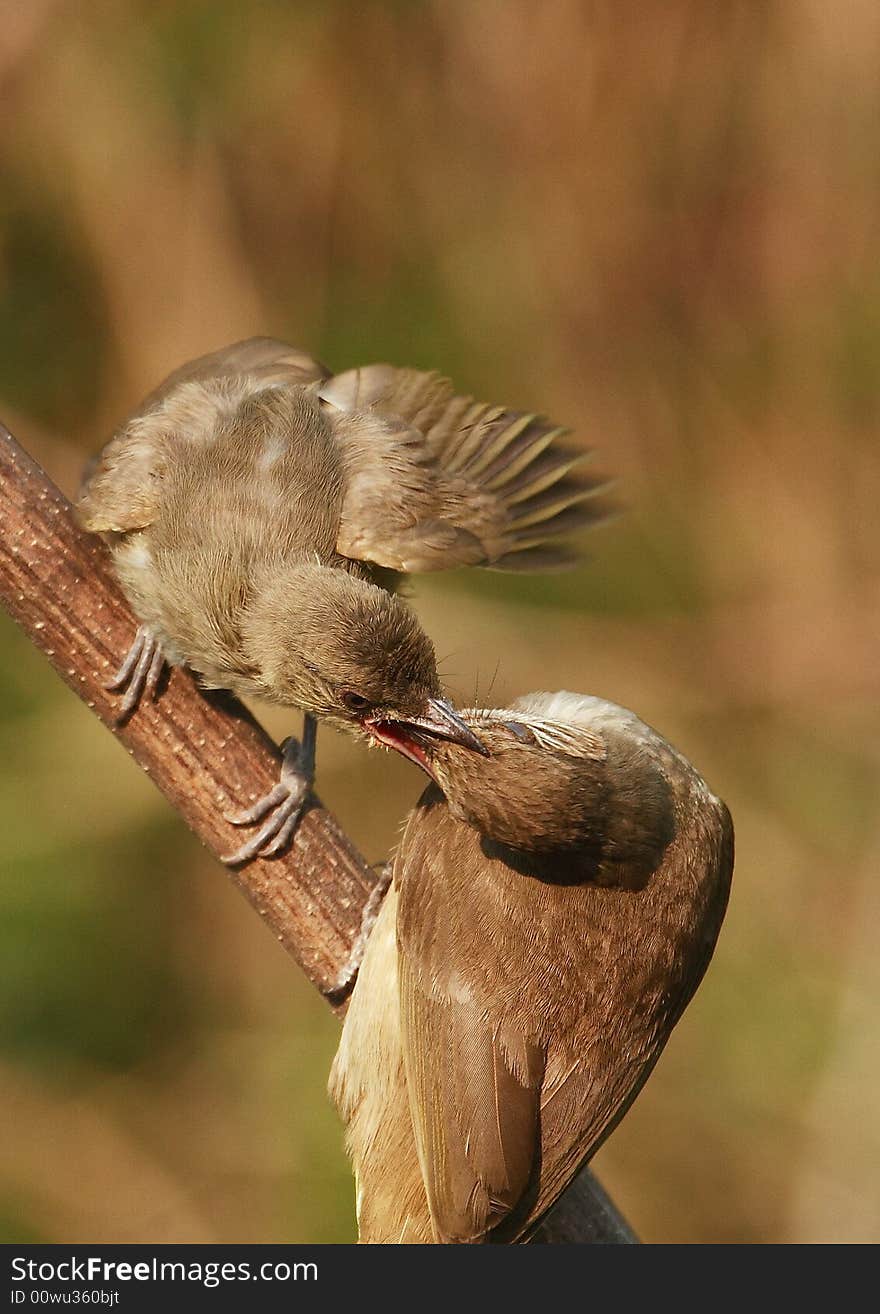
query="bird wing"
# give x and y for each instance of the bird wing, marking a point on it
(437, 480)
(121, 486)
(474, 1080)
(475, 1111)
(515, 1081)
(595, 1070)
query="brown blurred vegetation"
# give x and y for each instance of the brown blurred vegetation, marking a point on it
(658, 223)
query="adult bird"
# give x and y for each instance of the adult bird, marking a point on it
(553, 908)
(260, 509)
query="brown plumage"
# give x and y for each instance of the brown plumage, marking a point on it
(553, 908)
(257, 507)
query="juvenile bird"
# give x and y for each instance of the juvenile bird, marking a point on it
(553, 909)
(259, 510)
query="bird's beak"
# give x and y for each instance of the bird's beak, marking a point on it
(438, 721)
(441, 720)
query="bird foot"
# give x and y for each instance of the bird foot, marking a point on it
(349, 971)
(140, 673)
(282, 807)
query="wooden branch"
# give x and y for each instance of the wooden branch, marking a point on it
(203, 750)
(585, 1215)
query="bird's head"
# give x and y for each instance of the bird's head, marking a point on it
(531, 792)
(355, 655)
(564, 775)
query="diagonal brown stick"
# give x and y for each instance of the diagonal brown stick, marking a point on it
(204, 751)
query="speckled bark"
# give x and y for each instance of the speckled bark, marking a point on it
(204, 751)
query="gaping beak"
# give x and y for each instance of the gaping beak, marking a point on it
(438, 721)
(441, 720)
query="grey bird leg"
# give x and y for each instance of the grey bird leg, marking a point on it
(349, 971)
(140, 673)
(283, 804)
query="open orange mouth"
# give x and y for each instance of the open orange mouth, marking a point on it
(393, 734)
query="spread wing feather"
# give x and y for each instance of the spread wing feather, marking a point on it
(434, 480)
(437, 480)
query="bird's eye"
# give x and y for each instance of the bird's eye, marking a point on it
(355, 702)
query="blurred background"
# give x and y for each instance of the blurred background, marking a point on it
(658, 223)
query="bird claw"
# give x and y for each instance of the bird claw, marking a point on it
(275, 834)
(348, 973)
(250, 816)
(282, 806)
(139, 673)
